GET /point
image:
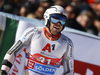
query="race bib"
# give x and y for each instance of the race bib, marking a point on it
(42, 64)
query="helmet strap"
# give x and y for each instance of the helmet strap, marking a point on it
(48, 24)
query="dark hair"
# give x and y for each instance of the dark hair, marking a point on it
(49, 1)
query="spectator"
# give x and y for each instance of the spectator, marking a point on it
(97, 19)
(46, 3)
(31, 15)
(77, 3)
(62, 3)
(27, 8)
(97, 24)
(93, 3)
(98, 9)
(86, 6)
(13, 6)
(39, 12)
(72, 13)
(1, 5)
(85, 19)
(34, 1)
(23, 11)
(69, 10)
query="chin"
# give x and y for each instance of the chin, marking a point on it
(55, 33)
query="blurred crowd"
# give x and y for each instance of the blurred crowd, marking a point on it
(83, 15)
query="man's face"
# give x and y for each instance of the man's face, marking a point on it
(85, 21)
(97, 9)
(39, 12)
(68, 9)
(55, 28)
(57, 21)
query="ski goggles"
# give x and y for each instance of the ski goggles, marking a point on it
(55, 18)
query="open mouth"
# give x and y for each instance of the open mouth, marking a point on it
(57, 28)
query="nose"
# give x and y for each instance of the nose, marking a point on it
(59, 23)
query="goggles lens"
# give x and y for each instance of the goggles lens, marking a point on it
(58, 18)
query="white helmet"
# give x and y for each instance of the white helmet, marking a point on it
(53, 10)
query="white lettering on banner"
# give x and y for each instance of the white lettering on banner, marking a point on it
(89, 72)
(45, 69)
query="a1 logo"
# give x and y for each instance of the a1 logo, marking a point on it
(49, 47)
